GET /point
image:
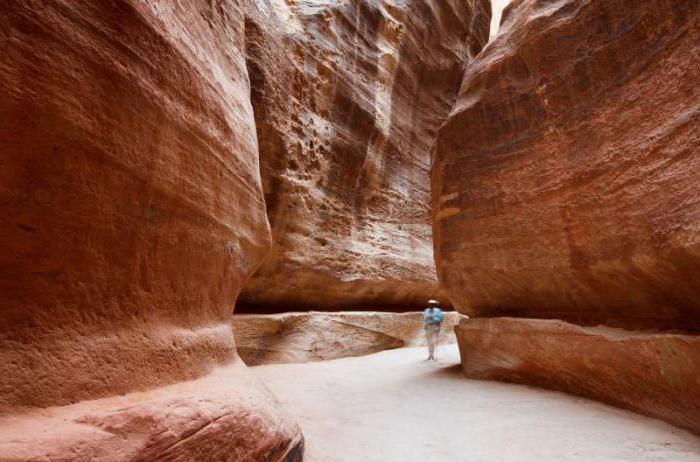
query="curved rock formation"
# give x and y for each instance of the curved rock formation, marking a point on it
(314, 336)
(566, 175)
(657, 374)
(132, 213)
(348, 97)
(567, 186)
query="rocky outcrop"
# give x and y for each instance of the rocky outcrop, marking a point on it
(348, 97)
(565, 179)
(656, 374)
(566, 187)
(225, 415)
(314, 336)
(132, 212)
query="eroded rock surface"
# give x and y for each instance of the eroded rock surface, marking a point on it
(567, 186)
(656, 374)
(567, 177)
(314, 336)
(348, 97)
(131, 211)
(225, 416)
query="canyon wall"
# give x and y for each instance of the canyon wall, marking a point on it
(132, 213)
(566, 186)
(348, 97)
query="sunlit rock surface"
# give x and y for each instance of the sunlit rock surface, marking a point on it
(566, 185)
(314, 336)
(348, 97)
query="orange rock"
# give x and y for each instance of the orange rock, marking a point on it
(657, 374)
(226, 415)
(132, 212)
(566, 183)
(348, 97)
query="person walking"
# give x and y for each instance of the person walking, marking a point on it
(432, 320)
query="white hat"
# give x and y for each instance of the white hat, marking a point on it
(433, 301)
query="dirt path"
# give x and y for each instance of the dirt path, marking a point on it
(394, 407)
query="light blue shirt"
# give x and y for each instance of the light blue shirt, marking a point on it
(433, 316)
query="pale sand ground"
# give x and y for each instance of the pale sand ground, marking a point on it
(394, 407)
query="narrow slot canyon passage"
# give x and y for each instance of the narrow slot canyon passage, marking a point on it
(226, 228)
(395, 406)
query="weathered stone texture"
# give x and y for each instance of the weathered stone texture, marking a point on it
(131, 212)
(566, 185)
(657, 374)
(348, 97)
(567, 178)
(314, 336)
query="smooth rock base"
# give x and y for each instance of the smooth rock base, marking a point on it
(656, 374)
(317, 336)
(225, 416)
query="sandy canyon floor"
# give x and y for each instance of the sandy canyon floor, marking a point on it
(394, 406)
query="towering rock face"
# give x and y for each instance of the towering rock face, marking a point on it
(348, 97)
(566, 186)
(132, 213)
(567, 181)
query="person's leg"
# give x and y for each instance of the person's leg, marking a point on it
(429, 341)
(436, 340)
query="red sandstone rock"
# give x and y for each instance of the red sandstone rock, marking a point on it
(348, 97)
(566, 185)
(567, 178)
(303, 337)
(657, 374)
(224, 416)
(131, 213)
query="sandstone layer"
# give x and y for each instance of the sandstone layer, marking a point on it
(132, 213)
(566, 185)
(348, 97)
(225, 416)
(314, 336)
(657, 374)
(567, 180)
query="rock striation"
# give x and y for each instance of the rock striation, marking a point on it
(566, 174)
(318, 336)
(656, 374)
(132, 212)
(566, 186)
(348, 97)
(133, 208)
